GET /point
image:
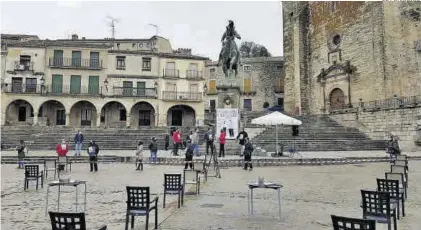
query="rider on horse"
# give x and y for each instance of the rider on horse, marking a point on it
(229, 38)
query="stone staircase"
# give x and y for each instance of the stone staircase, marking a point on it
(46, 138)
(317, 133)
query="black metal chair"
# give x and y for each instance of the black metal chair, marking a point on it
(32, 173)
(64, 161)
(172, 186)
(139, 203)
(191, 177)
(69, 221)
(400, 178)
(377, 206)
(396, 193)
(201, 168)
(50, 165)
(346, 223)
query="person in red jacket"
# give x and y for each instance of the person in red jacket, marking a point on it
(61, 150)
(176, 136)
(222, 143)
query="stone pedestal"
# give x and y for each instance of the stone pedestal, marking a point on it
(229, 93)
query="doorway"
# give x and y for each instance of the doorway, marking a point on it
(22, 113)
(177, 117)
(86, 117)
(61, 117)
(144, 117)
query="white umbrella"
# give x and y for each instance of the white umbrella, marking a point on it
(276, 118)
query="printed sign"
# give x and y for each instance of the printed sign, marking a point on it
(227, 118)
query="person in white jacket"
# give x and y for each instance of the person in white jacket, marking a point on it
(139, 156)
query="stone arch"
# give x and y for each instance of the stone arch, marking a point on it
(142, 113)
(19, 111)
(181, 115)
(52, 112)
(337, 99)
(83, 113)
(113, 114)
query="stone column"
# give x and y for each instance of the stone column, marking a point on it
(35, 121)
(128, 121)
(98, 119)
(67, 119)
(156, 119)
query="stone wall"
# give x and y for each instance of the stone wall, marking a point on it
(405, 123)
(364, 49)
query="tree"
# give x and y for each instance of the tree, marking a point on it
(251, 49)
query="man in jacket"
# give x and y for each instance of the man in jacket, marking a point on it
(79, 142)
(153, 147)
(93, 151)
(189, 155)
(209, 137)
(195, 141)
(248, 150)
(241, 137)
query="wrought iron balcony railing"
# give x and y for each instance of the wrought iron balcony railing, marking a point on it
(23, 66)
(75, 63)
(181, 96)
(194, 75)
(133, 92)
(22, 88)
(171, 73)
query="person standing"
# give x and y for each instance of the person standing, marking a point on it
(222, 140)
(241, 138)
(189, 155)
(61, 150)
(195, 141)
(167, 141)
(79, 142)
(93, 151)
(153, 147)
(21, 148)
(209, 140)
(139, 156)
(177, 141)
(248, 150)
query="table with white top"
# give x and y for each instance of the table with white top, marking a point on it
(266, 185)
(74, 183)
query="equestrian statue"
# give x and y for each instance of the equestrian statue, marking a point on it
(229, 56)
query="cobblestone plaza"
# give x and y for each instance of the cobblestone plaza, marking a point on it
(309, 196)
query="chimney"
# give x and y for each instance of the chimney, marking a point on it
(74, 37)
(83, 38)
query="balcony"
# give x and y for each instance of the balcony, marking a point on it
(72, 90)
(181, 96)
(133, 92)
(194, 75)
(247, 91)
(23, 66)
(212, 91)
(171, 73)
(279, 89)
(22, 88)
(75, 63)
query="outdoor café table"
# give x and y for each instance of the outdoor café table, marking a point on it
(267, 185)
(74, 183)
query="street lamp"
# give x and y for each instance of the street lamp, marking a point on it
(42, 79)
(106, 84)
(205, 88)
(156, 85)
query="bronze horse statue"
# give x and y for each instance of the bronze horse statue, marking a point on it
(230, 56)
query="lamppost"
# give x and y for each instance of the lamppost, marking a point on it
(205, 89)
(156, 88)
(42, 84)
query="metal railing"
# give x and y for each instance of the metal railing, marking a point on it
(181, 96)
(194, 74)
(18, 66)
(171, 73)
(75, 63)
(22, 88)
(133, 92)
(72, 90)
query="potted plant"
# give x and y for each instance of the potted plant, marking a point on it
(266, 106)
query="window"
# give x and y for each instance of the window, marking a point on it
(31, 85)
(212, 86)
(76, 58)
(25, 61)
(133, 45)
(247, 105)
(279, 86)
(247, 68)
(123, 115)
(127, 88)
(247, 85)
(212, 73)
(212, 105)
(121, 62)
(146, 64)
(280, 102)
(278, 67)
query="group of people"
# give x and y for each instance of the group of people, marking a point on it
(393, 148)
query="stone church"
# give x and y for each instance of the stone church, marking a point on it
(340, 54)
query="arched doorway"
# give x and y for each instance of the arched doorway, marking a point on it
(52, 112)
(142, 114)
(19, 112)
(83, 113)
(337, 99)
(181, 115)
(113, 114)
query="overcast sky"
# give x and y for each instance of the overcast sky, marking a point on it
(196, 25)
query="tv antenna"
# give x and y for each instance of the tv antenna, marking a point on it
(112, 23)
(156, 28)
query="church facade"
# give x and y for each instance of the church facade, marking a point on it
(338, 55)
